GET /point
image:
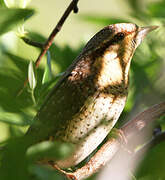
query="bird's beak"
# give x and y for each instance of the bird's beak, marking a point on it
(143, 31)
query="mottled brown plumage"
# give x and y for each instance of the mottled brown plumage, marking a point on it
(87, 101)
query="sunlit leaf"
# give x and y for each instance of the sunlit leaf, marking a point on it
(14, 109)
(10, 18)
(2, 4)
(17, 3)
(14, 131)
(49, 149)
(31, 76)
(20, 119)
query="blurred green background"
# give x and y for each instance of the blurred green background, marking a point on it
(147, 75)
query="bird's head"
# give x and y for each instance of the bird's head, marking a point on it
(122, 33)
(113, 48)
(126, 36)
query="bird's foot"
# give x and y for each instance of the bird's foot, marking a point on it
(117, 133)
(68, 175)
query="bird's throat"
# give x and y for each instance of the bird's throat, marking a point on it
(113, 69)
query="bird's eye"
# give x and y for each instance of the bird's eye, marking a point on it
(120, 36)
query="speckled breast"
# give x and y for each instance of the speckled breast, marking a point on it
(107, 92)
(89, 127)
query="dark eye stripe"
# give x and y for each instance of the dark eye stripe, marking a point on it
(117, 38)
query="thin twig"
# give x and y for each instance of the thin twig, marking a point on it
(58, 27)
(72, 7)
(32, 43)
(109, 149)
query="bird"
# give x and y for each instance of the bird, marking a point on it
(86, 102)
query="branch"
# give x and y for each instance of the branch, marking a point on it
(72, 7)
(109, 149)
(153, 142)
(143, 119)
(32, 43)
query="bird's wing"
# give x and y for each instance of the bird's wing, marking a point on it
(67, 97)
(89, 48)
(65, 100)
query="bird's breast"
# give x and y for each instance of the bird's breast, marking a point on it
(89, 127)
(100, 110)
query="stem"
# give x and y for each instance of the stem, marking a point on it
(33, 97)
(57, 28)
(32, 43)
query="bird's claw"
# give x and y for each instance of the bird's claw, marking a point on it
(70, 176)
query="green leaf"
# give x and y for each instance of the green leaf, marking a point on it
(21, 119)
(45, 173)
(48, 72)
(2, 4)
(17, 3)
(14, 154)
(49, 149)
(31, 76)
(157, 9)
(152, 166)
(10, 18)
(15, 109)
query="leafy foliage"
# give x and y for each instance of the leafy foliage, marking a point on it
(149, 167)
(10, 18)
